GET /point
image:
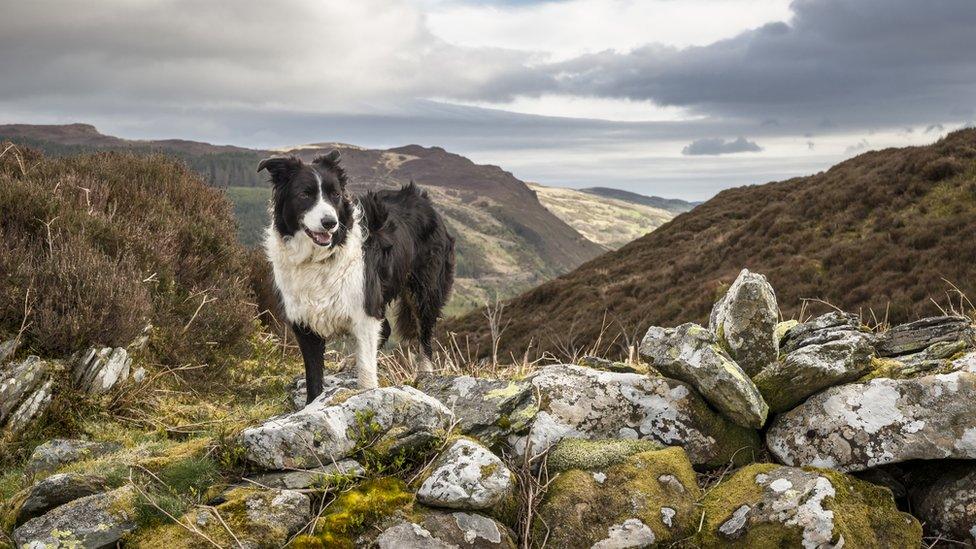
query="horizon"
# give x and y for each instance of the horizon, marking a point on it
(648, 97)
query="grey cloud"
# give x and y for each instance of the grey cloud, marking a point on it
(938, 128)
(717, 145)
(860, 146)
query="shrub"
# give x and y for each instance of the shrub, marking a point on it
(97, 246)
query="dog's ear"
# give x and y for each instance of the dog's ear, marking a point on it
(330, 159)
(281, 168)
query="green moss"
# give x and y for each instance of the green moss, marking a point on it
(738, 490)
(576, 453)
(578, 510)
(353, 511)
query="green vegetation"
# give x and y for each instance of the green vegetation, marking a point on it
(251, 211)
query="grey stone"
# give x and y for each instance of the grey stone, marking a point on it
(94, 521)
(310, 478)
(98, 370)
(745, 322)
(861, 425)
(629, 533)
(327, 429)
(487, 409)
(466, 476)
(20, 380)
(57, 490)
(440, 530)
(921, 334)
(584, 403)
(30, 409)
(691, 354)
(818, 330)
(944, 498)
(58, 452)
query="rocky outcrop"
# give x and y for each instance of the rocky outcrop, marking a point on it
(860, 425)
(94, 521)
(824, 352)
(467, 476)
(98, 370)
(59, 452)
(744, 321)
(647, 499)
(487, 409)
(578, 402)
(766, 505)
(691, 354)
(439, 530)
(330, 428)
(57, 490)
(25, 393)
(944, 498)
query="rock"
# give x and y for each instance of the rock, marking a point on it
(258, 518)
(324, 477)
(391, 418)
(438, 530)
(767, 505)
(30, 409)
(782, 328)
(649, 498)
(467, 476)
(577, 453)
(921, 334)
(598, 363)
(57, 490)
(818, 330)
(744, 321)
(331, 384)
(97, 370)
(19, 381)
(8, 349)
(93, 521)
(59, 452)
(944, 499)
(585, 403)
(825, 358)
(860, 425)
(487, 409)
(691, 354)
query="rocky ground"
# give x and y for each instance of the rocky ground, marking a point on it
(748, 432)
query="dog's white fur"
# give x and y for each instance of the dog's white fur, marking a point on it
(323, 289)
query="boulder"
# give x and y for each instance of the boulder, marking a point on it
(323, 477)
(59, 452)
(94, 521)
(648, 498)
(97, 370)
(861, 425)
(258, 518)
(487, 409)
(331, 384)
(944, 498)
(578, 453)
(913, 337)
(745, 322)
(822, 359)
(767, 505)
(30, 409)
(581, 402)
(331, 428)
(57, 490)
(691, 354)
(439, 530)
(466, 476)
(19, 381)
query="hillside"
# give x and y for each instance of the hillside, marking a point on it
(880, 233)
(507, 241)
(606, 221)
(673, 205)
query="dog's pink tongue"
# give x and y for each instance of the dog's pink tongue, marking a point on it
(322, 238)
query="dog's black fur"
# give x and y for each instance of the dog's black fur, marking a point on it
(408, 253)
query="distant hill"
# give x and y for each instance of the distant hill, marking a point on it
(673, 205)
(507, 240)
(606, 221)
(880, 233)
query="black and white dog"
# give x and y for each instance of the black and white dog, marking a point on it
(340, 262)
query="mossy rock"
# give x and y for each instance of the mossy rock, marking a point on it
(257, 518)
(577, 453)
(648, 496)
(769, 505)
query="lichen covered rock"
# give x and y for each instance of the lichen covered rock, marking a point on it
(439, 530)
(927, 346)
(330, 428)
(944, 498)
(57, 490)
(691, 354)
(98, 370)
(579, 402)
(768, 505)
(59, 452)
(487, 409)
(331, 384)
(578, 453)
(466, 476)
(25, 392)
(326, 476)
(745, 322)
(649, 498)
(94, 521)
(860, 425)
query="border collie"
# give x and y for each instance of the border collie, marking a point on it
(340, 262)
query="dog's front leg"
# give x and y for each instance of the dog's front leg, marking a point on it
(313, 354)
(367, 333)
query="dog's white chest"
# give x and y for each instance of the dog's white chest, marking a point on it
(322, 288)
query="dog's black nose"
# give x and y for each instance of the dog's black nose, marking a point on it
(329, 223)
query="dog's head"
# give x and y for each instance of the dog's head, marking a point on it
(309, 200)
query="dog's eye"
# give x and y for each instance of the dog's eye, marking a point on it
(335, 194)
(306, 194)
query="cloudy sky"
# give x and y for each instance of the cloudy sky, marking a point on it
(677, 98)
